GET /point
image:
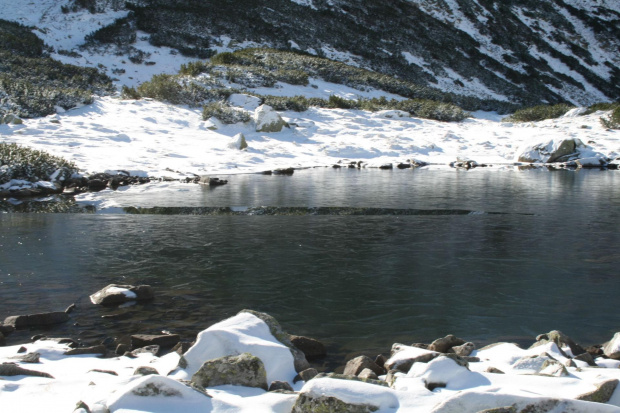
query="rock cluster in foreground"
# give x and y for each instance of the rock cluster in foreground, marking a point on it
(248, 363)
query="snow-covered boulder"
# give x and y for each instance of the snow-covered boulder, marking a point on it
(241, 100)
(477, 401)
(403, 357)
(336, 395)
(238, 142)
(243, 333)
(553, 150)
(268, 120)
(446, 372)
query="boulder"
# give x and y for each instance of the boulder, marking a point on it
(40, 319)
(100, 349)
(242, 370)
(268, 120)
(238, 142)
(344, 396)
(553, 368)
(611, 349)
(358, 364)
(311, 348)
(554, 150)
(145, 371)
(162, 340)
(278, 385)
(368, 374)
(207, 180)
(443, 345)
(119, 294)
(306, 375)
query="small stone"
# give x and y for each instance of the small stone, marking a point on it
(278, 385)
(145, 371)
(494, 370)
(306, 375)
(368, 374)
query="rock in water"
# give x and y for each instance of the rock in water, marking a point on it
(242, 370)
(40, 319)
(118, 294)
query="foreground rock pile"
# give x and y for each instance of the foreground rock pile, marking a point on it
(248, 363)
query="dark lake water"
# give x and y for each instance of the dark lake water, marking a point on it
(537, 251)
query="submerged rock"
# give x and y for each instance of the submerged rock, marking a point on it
(119, 294)
(242, 370)
(40, 319)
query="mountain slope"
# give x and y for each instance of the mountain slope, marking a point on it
(526, 51)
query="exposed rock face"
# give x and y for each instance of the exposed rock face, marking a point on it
(611, 348)
(242, 370)
(268, 120)
(41, 319)
(118, 294)
(358, 364)
(311, 348)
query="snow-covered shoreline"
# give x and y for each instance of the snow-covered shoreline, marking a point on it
(547, 377)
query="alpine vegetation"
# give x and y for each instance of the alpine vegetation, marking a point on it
(18, 162)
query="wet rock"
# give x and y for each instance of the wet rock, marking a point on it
(306, 375)
(311, 348)
(443, 345)
(41, 319)
(380, 360)
(162, 340)
(356, 365)
(464, 349)
(118, 294)
(283, 171)
(278, 385)
(242, 370)
(100, 349)
(602, 394)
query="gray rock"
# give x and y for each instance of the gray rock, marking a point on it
(112, 294)
(268, 120)
(162, 340)
(28, 358)
(299, 358)
(356, 365)
(278, 385)
(553, 368)
(311, 348)
(368, 374)
(443, 345)
(307, 403)
(33, 320)
(306, 375)
(587, 357)
(464, 350)
(12, 369)
(611, 349)
(602, 394)
(559, 338)
(145, 371)
(494, 370)
(242, 370)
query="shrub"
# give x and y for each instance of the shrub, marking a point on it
(336, 102)
(225, 113)
(194, 68)
(601, 106)
(18, 162)
(613, 120)
(538, 113)
(121, 31)
(130, 93)
(225, 58)
(162, 87)
(294, 103)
